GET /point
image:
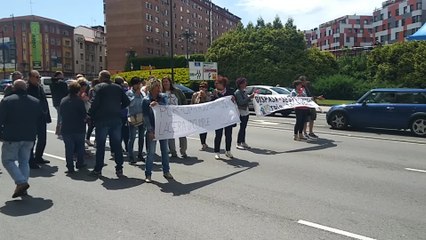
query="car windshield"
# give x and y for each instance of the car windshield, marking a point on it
(183, 88)
(280, 90)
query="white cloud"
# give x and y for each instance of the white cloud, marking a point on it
(306, 13)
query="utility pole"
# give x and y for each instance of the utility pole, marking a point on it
(171, 41)
(14, 39)
(3, 56)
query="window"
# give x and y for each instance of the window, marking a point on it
(405, 10)
(358, 21)
(389, 14)
(52, 41)
(381, 97)
(419, 6)
(410, 98)
(264, 91)
(81, 56)
(100, 59)
(67, 54)
(81, 45)
(397, 36)
(67, 43)
(24, 27)
(402, 22)
(397, 12)
(348, 39)
(411, 8)
(396, 24)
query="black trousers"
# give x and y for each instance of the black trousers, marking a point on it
(243, 128)
(301, 116)
(90, 128)
(203, 138)
(218, 139)
(40, 144)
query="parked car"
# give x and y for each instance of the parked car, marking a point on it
(269, 90)
(45, 83)
(5, 83)
(383, 108)
(187, 91)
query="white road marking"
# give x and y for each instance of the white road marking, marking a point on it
(263, 122)
(334, 230)
(415, 170)
(54, 156)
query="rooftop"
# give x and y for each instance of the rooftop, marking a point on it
(32, 18)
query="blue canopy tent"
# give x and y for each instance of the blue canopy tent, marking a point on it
(419, 35)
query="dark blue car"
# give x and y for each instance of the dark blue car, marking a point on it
(383, 108)
(4, 83)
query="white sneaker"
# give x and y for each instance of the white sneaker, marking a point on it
(241, 147)
(229, 154)
(148, 179)
(217, 156)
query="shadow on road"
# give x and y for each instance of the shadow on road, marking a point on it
(46, 171)
(82, 175)
(120, 183)
(259, 151)
(189, 161)
(319, 144)
(27, 206)
(239, 163)
(178, 188)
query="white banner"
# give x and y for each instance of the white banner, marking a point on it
(181, 121)
(267, 104)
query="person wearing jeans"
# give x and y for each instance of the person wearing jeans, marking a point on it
(243, 100)
(20, 114)
(151, 100)
(135, 109)
(301, 112)
(106, 110)
(73, 111)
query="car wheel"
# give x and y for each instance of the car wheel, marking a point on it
(418, 126)
(338, 120)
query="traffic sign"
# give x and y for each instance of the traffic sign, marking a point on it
(202, 71)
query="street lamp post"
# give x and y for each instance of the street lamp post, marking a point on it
(171, 40)
(3, 55)
(187, 35)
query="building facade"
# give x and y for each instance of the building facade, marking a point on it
(398, 19)
(144, 28)
(89, 50)
(345, 32)
(33, 42)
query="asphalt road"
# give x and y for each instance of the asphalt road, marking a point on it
(346, 185)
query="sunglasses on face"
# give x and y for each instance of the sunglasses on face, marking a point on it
(203, 86)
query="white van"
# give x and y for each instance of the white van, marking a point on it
(45, 83)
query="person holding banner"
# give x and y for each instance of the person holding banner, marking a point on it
(202, 96)
(222, 91)
(302, 112)
(243, 100)
(174, 96)
(153, 99)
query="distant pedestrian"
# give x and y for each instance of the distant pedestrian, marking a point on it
(301, 112)
(136, 123)
(243, 99)
(20, 115)
(36, 90)
(9, 89)
(59, 90)
(154, 98)
(90, 121)
(312, 111)
(175, 96)
(124, 112)
(74, 114)
(106, 111)
(222, 91)
(202, 96)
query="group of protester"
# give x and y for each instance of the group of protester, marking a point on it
(114, 109)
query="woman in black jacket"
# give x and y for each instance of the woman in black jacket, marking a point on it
(222, 91)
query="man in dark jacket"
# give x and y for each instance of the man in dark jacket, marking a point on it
(105, 110)
(59, 90)
(36, 90)
(73, 127)
(19, 117)
(9, 89)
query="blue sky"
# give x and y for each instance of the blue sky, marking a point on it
(306, 13)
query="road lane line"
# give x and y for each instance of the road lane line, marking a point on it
(415, 170)
(54, 156)
(334, 230)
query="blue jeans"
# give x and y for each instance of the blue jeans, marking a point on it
(20, 152)
(141, 138)
(151, 154)
(74, 143)
(113, 129)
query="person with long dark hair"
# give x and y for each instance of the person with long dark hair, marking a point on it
(243, 99)
(221, 90)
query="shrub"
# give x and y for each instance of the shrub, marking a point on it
(341, 87)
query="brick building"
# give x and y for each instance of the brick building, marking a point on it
(143, 28)
(42, 44)
(398, 19)
(89, 50)
(345, 32)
